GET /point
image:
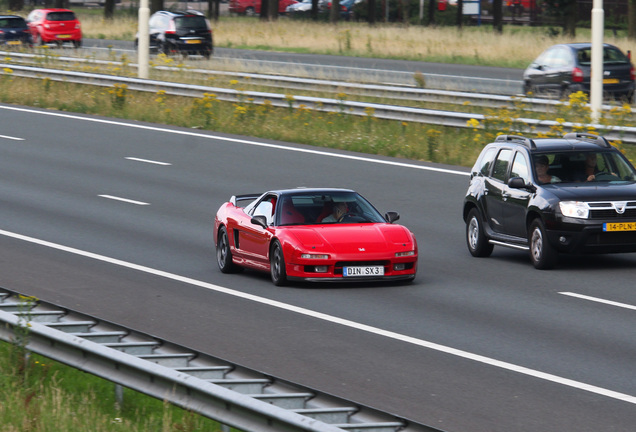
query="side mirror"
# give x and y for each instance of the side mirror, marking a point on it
(391, 216)
(260, 221)
(519, 183)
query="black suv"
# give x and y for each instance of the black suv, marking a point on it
(575, 194)
(180, 33)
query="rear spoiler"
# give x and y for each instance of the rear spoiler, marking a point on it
(245, 197)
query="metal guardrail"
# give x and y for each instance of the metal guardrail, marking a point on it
(381, 111)
(226, 392)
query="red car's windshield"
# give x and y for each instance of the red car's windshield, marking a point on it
(318, 207)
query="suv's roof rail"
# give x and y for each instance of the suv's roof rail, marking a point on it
(523, 140)
(596, 139)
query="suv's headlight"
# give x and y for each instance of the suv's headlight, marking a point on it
(574, 209)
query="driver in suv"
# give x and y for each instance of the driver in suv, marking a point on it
(588, 205)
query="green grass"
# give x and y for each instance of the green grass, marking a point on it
(42, 395)
(300, 124)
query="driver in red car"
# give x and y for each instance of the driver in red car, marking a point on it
(339, 210)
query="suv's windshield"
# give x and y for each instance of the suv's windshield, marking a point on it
(589, 166)
(191, 22)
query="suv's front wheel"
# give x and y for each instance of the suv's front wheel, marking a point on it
(542, 254)
(476, 239)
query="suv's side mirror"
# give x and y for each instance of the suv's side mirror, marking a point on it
(259, 220)
(391, 216)
(519, 183)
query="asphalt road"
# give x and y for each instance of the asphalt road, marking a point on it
(481, 79)
(472, 345)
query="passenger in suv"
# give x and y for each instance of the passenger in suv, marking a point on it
(180, 32)
(506, 204)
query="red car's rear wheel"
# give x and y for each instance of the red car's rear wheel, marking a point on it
(224, 254)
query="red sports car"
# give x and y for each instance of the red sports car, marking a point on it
(318, 235)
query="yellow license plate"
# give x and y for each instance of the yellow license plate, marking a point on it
(193, 41)
(611, 81)
(14, 43)
(619, 226)
(63, 36)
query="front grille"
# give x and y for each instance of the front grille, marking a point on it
(607, 210)
(611, 214)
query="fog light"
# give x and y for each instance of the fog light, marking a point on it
(321, 269)
(399, 266)
(563, 240)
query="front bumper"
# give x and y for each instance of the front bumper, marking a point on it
(587, 236)
(332, 271)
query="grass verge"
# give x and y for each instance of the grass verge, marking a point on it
(42, 395)
(301, 124)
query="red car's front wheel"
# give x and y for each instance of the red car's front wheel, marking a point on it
(277, 265)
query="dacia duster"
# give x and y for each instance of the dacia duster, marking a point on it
(575, 194)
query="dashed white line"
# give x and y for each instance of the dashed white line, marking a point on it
(242, 141)
(147, 161)
(124, 200)
(599, 300)
(335, 320)
(11, 138)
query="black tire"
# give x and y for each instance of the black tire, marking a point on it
(164, 49)
(224, 254)
(542, 254)
(527, 88)
(565, 93)
(476, 239)
(250, 11)
(277, 264)
(77, 43)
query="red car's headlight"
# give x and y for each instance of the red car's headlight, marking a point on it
(314, 256)
(403, 254)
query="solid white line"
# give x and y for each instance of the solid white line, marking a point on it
(123, 199)
(11, 138)
(335, 320)
(147, 161)
(240, 141)
(599, 300)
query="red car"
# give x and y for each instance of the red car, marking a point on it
(253, 7)
(54, 26)
(316, 235)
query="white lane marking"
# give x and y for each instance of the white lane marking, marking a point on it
(241, 141)
(11, 138)
(147, 161)
(599, 300)
(335, 320)
(123, 199)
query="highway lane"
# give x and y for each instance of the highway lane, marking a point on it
(499, 308)
(481, 79)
